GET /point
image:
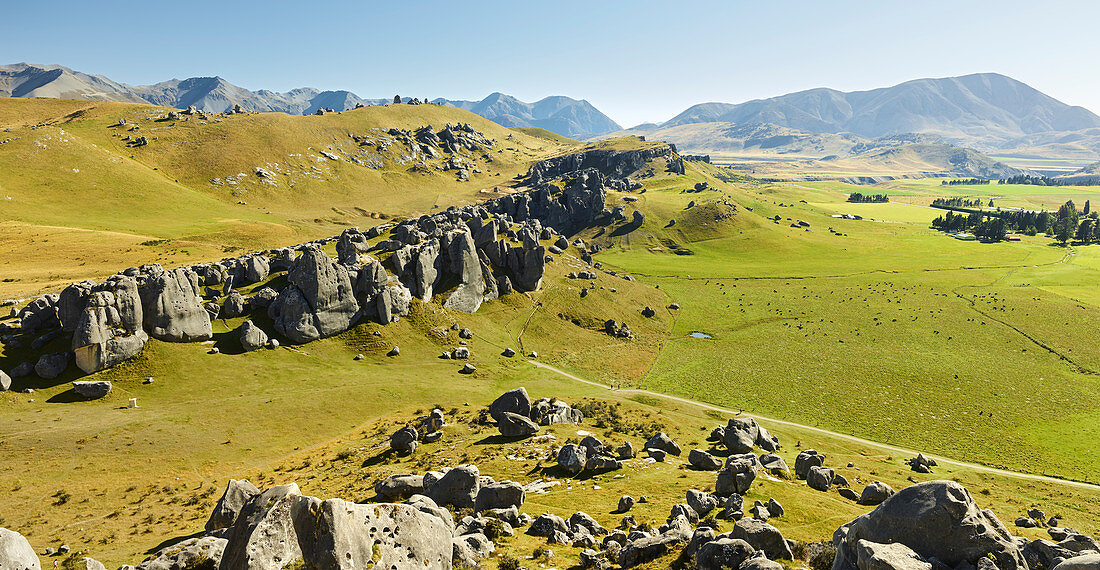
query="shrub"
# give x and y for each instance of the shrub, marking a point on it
(508, 563)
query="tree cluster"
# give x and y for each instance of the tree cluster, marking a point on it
(868, 198)
(964, 181)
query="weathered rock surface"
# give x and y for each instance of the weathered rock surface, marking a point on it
(318, 302)
(92, 389)
(199, 553)
(935, 519)
(238, 492)
(171, 307)
(875, 493)
(252, 337)
(16, 553)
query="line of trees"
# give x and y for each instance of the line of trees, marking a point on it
(867, 198)
(966, 181)
(955, 203)
(1040, 180)
(1067, 224)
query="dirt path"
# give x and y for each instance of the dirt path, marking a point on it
(894, 449)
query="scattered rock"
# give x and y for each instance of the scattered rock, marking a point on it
(92, 389)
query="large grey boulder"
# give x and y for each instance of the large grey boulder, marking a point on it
(935, 519)
(199, 553)
(1083, 562)
(108, 330)
(572, 458)
(252, 337)
(349, 536)
(735, 477)
(92, 389)
(235, 305)
(875, 493)
(514, 401)
(763, 536)
(171, 307)
(71, 303)
(393, 301)
(500, 495)
(350, 245)
(16, 553)
(318, 302)
(281, 528)
(820, 478)
(515, 425)
(897, 556)
(256, 268)
(464, 263)
(458, 488)
(403, 441)
(50, 366)
(805, 460)
(663, 442)
(723, 553)
(703, 461)
(399, 487)
(701, 502)
(648, 549)
(741, 434)
(238, 492)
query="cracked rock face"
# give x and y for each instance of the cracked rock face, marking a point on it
(280, 526)
(172, 311)
(319, 301)
(935, 519)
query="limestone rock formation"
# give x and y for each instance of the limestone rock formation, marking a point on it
(935, 519)
(237, 494)
(171, 304)
(318, 302)
(16, 553)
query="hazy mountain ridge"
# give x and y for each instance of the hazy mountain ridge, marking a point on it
(984, 110)
(562, 115)
(570, 117)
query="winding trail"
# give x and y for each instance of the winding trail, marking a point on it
(851, 438)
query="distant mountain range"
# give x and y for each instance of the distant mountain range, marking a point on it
(987, 111)
(562, 115)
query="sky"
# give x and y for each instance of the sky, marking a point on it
(636, 61)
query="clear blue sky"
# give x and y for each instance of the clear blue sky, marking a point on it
(636, 61)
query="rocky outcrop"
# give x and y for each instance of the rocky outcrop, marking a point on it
(465, 264)
(318, 302)
(280, 527)
(16, 553)
(171, 304)
(936, 519)
(237, 494)
(476, 253)
(108, 329)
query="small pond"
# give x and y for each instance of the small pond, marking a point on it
(697, 334)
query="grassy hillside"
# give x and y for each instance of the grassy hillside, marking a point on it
(193, 192)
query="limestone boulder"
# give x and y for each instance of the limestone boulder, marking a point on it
(16, 553)
(171, 307)
(318, 302)
(935, 519)
(237, 494)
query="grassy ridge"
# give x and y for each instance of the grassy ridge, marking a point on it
(69, 166)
